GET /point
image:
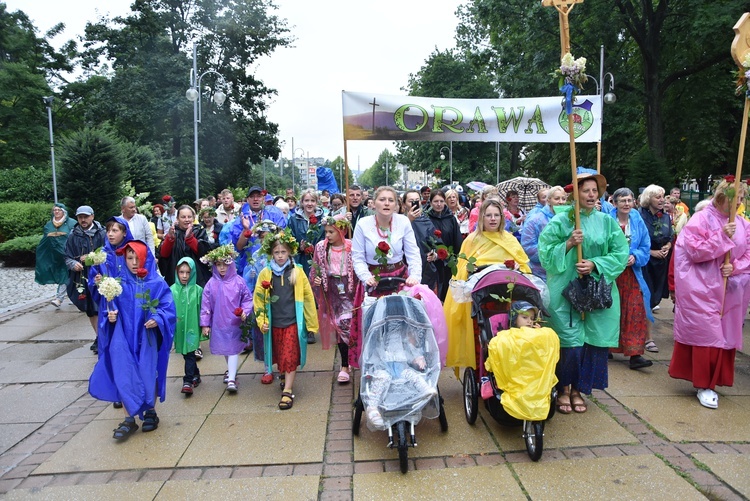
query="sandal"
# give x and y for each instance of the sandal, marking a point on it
(564, 407)
(125, 429)
(232, 386)
(578, 403)
(267, 378)
(150, 420)
(343, 377)
(651, 346)
(287, 400)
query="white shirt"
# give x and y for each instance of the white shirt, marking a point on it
(141, 230)
(402, 243)
(225, 217)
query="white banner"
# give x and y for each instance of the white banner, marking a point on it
(525, 120)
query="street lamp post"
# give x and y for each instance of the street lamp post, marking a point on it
(386, 171)
(450, 157)
(294, 166)
(608, 98)
(48, 104)
(193, 94)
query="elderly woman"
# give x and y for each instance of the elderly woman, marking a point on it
(305, 222)
(184, 239)
(534, 226)
(708, 318)
(382, 243)
(584, 339)
(634, 294)
(461, 213)
(489, 244)
(445, 222)
(50, 253)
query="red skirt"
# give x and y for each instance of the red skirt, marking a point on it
(633, 322)
(704, 366)
(285, 344)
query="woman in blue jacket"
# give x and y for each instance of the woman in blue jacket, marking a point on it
(634, 293)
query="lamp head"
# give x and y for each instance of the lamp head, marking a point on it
(219, 97)
(442, 156)
(192, 94)
(610, 98)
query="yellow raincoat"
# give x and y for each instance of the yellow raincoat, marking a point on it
(489, 248)
(523, 361)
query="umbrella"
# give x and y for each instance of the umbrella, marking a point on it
(476, 185)
(527, 188)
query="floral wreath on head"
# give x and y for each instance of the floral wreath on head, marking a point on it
(342, 224)
(285, 237)
(224, 254)
(264, 226)
(207, 210)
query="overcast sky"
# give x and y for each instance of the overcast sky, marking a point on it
(365, 46)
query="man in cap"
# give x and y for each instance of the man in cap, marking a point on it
(252, 213)
(87, 236)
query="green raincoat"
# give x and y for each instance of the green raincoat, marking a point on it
(187, 301)
(50, 253)
(605, 244)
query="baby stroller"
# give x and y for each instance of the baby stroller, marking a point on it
(492, 288)
(400, 366)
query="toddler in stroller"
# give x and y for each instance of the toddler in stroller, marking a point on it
(400, 363)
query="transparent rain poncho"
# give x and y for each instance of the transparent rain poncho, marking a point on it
(400, 362)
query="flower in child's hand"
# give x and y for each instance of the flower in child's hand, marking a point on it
(313, 220)
(309, 250)
(238, 312)
(384, 247)
(265, 284)
(510, 264)
(247, 233)
(442, 254)
(141, 272)
(438, 233)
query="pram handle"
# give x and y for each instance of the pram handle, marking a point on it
(386, 284)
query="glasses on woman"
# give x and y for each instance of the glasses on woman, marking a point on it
(624, 201)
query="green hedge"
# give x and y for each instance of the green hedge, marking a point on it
(25, 183)
(20, 251)
(22, 219)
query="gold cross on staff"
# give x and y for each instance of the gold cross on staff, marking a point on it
(563, 8)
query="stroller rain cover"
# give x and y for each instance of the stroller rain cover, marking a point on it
(400, 361)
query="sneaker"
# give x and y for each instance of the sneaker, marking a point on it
(199, 354)
(232, 386)
(187, 389)
(708, 398)
(311, 338)
(56, 303)
(655, 308)
(226, 377)
(196, 381)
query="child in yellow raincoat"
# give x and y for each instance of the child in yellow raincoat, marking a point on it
(523, 360)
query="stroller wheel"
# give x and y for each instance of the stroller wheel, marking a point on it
(358, 409)
(533, 435)
(471, 396)
(403, 448)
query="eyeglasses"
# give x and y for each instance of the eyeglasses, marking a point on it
(624, 200)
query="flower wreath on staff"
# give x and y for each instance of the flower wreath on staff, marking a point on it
(383, 245)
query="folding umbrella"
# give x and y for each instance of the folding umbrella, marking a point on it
(476, 185)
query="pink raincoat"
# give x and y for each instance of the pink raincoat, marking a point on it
(699, 254)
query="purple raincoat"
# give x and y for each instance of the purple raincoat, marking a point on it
(221, 296)
(699, 254)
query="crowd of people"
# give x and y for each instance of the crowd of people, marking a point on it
(270, 274)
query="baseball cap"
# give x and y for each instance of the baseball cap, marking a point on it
(254, 189)
(85, 210)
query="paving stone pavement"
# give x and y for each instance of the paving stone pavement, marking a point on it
(645, 437)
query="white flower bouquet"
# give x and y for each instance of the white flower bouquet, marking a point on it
(110, 288)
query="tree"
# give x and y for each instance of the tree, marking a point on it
(26, 63)
(376, 175)
(146, 59)
(92, 164)
(337, 167)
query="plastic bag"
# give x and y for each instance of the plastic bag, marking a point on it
(588, 294)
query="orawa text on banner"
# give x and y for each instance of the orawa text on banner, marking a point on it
(520, 120)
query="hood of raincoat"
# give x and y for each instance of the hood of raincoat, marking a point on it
(193, 274)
